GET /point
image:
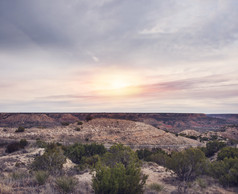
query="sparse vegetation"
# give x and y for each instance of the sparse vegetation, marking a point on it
(66, 184)
(201, 182)
(5, 189)
(41, 177)
(18, 175)
(41, 144)
(20, 129)
(156, 187)
(52, 160)
(117, 170)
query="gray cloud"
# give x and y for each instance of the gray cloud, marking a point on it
(112, 28)
(63, 40)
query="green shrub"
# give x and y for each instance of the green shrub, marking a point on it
(214, 137)
(203, 139)
(212, 147)
(94, 148)
(156, 187)
(118, 179)
(143, 153)
(23, 142)
(88, 118)
(13, 147)
(77, 129)
(119, 172)
(41, 177)
(120, 154)
(66, 184)
(90, 161)
(188, 136)
(20, 129)
(159, 158)
(77, 151)
(80, 123)
(226, 171)
(188, 164)
(227, 152)
(41, 144)
(64, 123)
(156, 155)
(192, 137)
(232, 142)
(52, 160)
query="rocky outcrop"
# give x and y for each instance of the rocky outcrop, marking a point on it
(190, 132)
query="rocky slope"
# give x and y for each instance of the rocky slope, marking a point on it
(230, 132)
(107, 131)
(131, 132)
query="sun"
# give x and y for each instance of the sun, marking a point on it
(115, 84)
(118, 83)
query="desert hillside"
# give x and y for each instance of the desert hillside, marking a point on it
(107, 131)
(131, 132)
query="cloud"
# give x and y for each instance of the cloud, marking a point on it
(121, 30)
(182, 51)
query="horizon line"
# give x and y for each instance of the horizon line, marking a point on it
(26, 112)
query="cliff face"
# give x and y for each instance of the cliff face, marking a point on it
(232, 118)
(174, 122)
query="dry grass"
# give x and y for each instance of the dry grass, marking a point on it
(5, 189)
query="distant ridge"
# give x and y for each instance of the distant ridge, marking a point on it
(174, 122)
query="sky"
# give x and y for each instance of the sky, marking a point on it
(119, 56)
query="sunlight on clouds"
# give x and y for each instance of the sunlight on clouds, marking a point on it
(119, 83)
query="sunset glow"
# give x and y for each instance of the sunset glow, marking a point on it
(117, 84)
